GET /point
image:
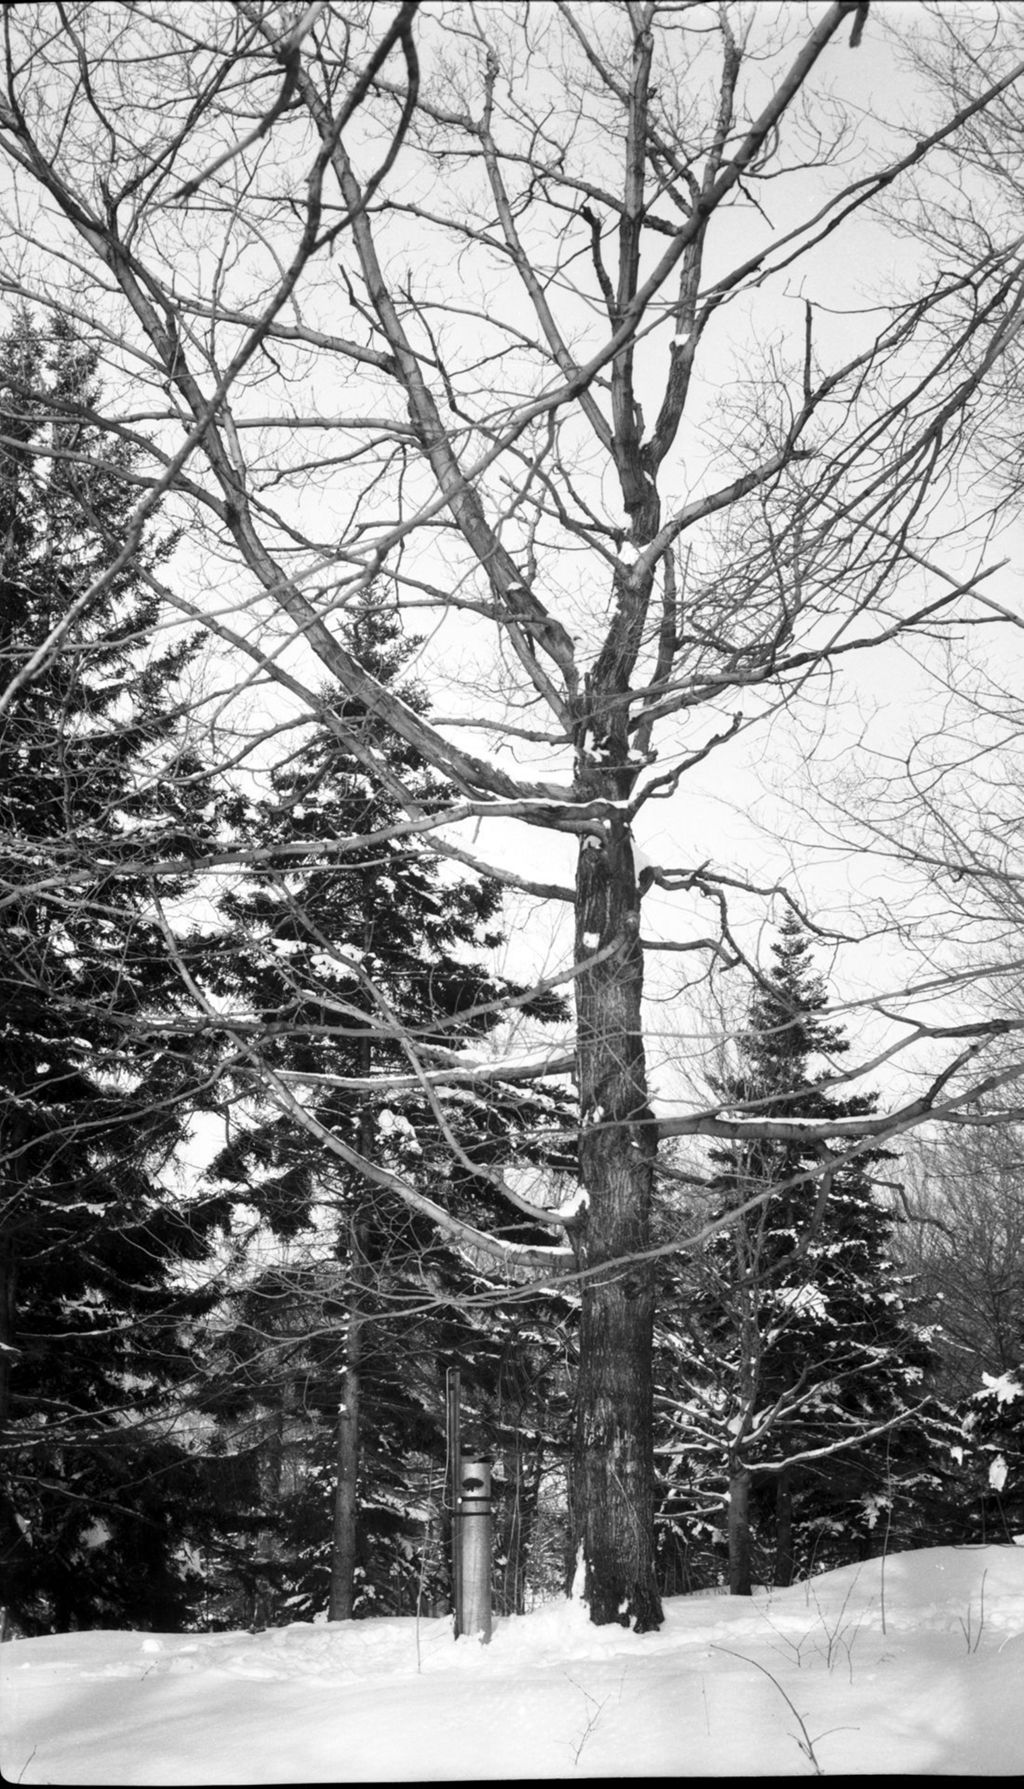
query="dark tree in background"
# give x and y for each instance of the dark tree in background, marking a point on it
(101, 1267)
(349, 943)
(803, 1406)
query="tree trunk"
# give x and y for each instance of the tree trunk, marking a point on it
(516, 1524)
(12, 1540)
(613, 1460)
(8, 1323)
(341, 1605)
(739, 1532)
(346, 1501)
(785, 1565)
(341, 1601)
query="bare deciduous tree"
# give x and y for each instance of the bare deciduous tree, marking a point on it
(964, 1239)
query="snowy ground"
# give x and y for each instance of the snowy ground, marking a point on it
(914, 1669)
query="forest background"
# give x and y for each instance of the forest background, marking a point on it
(509, 747)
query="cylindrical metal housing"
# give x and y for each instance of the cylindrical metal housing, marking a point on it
(473, 1519)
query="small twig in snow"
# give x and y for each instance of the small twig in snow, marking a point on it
(804, 1741)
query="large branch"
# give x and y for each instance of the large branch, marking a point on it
(963, 1107)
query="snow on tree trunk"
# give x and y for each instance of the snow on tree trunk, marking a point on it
(612, 1498)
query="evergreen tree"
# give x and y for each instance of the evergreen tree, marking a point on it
(806, 1371)
(340, 954)
(98, 1075)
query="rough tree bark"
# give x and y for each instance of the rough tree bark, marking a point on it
(740, 1583)
(613, 1469)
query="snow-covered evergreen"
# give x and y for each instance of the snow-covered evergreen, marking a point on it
(98, 1070)
(358, 958)
(797, 1401)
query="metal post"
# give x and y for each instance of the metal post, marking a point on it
(473, 1524)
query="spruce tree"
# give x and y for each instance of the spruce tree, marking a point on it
(98, 1074)
(340, 954)
(806, 1376)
